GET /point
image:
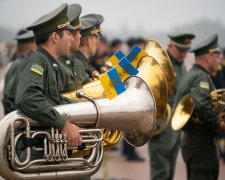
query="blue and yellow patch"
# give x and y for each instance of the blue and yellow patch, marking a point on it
(114, 59)
(204, 85)
(125, 69)
(135, 55)
(37, 69)
(112, 83)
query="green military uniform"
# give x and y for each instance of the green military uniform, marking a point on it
(39, 91)
(39, 87)
(68, 77)
(164, 147)
(198, 143)
(80, 65)
(10, 78)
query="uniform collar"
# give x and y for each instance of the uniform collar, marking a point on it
(200, 67)
(82, 58)
(52, 60)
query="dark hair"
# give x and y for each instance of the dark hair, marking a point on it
(115, 42)
(84, 39)
(44, 38)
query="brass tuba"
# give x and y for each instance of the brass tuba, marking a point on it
(156, 70)
(136, 107)
(185, 109)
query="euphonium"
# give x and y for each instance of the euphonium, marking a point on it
(185, 109)
(136, 107)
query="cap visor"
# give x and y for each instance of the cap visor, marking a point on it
(182, 48)
(69, 27)
(96, 34)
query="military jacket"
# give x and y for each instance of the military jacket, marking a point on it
(67, 76)
(179, 70)
(198, 83)
(81, 67)
(10, 86)
(39, 88)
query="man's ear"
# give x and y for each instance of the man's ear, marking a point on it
(54, 36)
(89, 41)
(208, 57)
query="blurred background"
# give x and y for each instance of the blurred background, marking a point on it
(147, 19)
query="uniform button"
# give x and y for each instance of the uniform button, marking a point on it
(67, 62)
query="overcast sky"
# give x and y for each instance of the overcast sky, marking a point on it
(132, 15)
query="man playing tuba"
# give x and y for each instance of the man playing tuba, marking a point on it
(38, 89)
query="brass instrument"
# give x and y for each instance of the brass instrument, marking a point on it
(136, 107)
(156, 70)
(163, 122)
(185, 109)
(182, 113)
(156, 50)
(217, 98)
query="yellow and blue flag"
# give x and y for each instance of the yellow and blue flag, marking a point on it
(135, 54)
(115, 58)
(126, 69)
(112, 83)
(37, 69)
(204, 84)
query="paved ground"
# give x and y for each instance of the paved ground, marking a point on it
(116, 167)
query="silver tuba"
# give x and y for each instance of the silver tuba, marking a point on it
(133, 112)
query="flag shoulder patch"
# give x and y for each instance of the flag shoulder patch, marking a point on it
(204, 84)
(37, 69)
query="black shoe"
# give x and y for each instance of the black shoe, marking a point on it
(135, 158)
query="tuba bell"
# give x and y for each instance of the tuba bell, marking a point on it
(136, 107)
(156, 70)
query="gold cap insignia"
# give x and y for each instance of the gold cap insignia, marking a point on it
(187, 41)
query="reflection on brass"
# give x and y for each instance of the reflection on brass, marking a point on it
(163, 122)
(95, 74)
(155, 50)
(111, 137)
(93, 89)
(183, 112)
(217, 98)
(151, 72)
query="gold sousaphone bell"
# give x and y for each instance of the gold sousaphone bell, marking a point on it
(185, 108)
